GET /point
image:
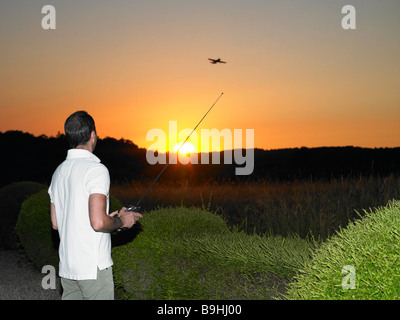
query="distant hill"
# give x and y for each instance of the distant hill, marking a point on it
(27, 157)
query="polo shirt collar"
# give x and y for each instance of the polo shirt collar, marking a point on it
(81, 153)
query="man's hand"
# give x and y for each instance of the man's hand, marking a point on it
(103, 222)
(128, 218)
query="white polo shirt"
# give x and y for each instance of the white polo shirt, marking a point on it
(82, 249)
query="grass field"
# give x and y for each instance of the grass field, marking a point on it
(303, 207)
(253, 241)
(289, 227)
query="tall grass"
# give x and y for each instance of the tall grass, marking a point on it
(302, 207)
(370, 246)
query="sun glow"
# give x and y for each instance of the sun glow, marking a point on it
(187, 148)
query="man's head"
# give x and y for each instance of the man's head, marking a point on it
(80, 130)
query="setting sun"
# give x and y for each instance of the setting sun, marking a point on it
(187, 148)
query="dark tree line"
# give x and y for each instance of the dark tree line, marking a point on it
(26, 157)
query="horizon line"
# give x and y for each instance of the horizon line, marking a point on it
(59, 134)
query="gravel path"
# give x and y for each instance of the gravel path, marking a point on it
(19, 280)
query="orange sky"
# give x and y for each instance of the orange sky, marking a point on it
(293, 74)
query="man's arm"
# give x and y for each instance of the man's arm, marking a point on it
(53, 216)
(103, 222)
(99, 218)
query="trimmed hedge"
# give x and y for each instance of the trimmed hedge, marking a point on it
(38, 239)
(188, 253)
(11, 198)
(360, 262)
(35, 232)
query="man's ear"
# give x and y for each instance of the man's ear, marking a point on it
(93, 139)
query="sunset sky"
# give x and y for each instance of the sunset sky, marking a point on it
(293, 74)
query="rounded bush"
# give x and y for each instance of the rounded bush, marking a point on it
(154, 265)
(38, 239)
(11, 198)
(35, 232)
(360, 262)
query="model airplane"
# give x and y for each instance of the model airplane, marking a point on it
(215, 61)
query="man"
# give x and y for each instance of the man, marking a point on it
(79, 207)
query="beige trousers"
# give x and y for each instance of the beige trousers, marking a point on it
(100, 289)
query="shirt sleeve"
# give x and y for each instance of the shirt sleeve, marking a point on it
(97, 180)
(50, 193)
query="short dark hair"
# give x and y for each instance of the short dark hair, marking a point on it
(78, 128)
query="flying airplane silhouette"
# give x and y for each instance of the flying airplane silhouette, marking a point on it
(215, 61)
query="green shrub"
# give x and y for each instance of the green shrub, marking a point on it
(371, 246)
(184, 253)
(11, 198)
(35, 233)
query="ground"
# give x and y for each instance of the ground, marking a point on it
(21, 281)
